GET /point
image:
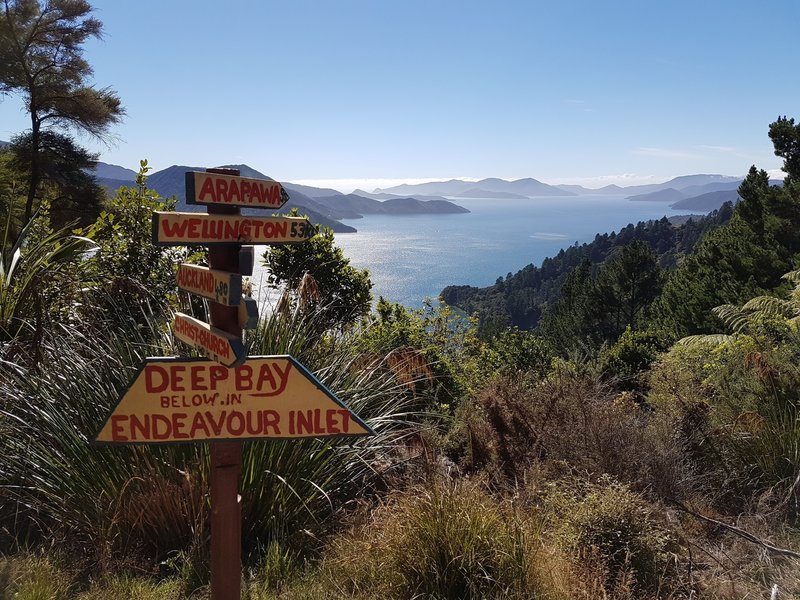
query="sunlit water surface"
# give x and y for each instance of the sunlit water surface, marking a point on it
(414, 256)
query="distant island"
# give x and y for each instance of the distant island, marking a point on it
(329, 207)
(323, 206)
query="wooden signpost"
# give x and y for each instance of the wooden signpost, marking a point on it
(230, 397)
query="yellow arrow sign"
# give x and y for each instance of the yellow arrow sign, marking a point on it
(232, 190)
(193, 400)
(219, 286)
(218, 345)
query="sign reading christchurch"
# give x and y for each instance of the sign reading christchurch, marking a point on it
(185, 400)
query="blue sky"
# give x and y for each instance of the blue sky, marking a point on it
(367, 93)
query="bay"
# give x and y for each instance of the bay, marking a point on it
(411, 257)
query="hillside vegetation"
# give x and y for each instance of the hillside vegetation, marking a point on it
(618, 423)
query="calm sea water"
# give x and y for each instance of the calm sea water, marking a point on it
(415, 256)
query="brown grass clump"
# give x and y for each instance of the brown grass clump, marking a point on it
(619, 547)
(573, 419)
(446, 540)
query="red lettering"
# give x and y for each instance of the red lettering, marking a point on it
(166, 429)
(345, 420)
(244, 377)
(272, 418)
(222, 190)
(218, 373)
(142, 425)
(239, 429)
(117, 429)
(198, 423)
(153, 385)
(176, 371)
(216, 426)
(282, 229)
(257, 427)
(305, 420)
(233, 190)
(178, 425)
(330, 421)
(318, 421)
(245, 189)
(208, 188)
(274, 197)
(198, 381)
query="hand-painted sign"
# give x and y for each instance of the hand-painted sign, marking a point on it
(184, 400)
(217, 344)
(219, 286)
(185, 229)
(232, 190)
(248, 313)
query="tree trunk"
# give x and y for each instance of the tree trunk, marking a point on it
(36, 176)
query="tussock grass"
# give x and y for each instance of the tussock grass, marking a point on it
(139, 505)
(448, 540)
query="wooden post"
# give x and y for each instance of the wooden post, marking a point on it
(226, 457)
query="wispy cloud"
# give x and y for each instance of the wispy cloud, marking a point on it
(723, 149)
(667, 153)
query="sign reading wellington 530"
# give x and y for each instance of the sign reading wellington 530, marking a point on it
(184, 400)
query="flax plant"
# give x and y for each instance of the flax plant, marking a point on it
(147, 503)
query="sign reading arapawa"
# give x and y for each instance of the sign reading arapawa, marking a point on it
(219, 286)
(232, 190)
(218, 345)
(185, 229)
(184, 400)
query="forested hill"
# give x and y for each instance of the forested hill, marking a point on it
(519, 298)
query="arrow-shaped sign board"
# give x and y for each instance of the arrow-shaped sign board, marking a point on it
(185, 400)
(186, 229)
(232, 190)
(219, 286)
(217, 344)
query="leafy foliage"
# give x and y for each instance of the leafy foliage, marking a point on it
(519, 299)
(129, 268)
(41, 58)
(596, 310)
(345, 293)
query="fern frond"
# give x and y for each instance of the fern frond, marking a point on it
(710, 339)
(734, 317)
(770, 305)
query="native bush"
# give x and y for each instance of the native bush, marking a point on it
(447, 540)
(612, 530)
(146, 503)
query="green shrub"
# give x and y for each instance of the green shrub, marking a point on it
(612, 525)
(29, 577)
(447, 540)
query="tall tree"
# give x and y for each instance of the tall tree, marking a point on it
(41, 58)
(624, 288)
(343, 293)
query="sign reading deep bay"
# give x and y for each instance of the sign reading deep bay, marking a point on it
(184, 400)
(232, 190)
